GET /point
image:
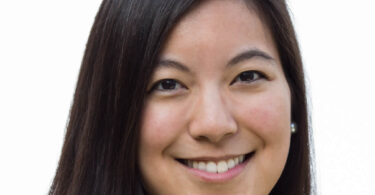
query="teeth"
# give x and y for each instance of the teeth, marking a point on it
(190, 163)
(241, 158)
(216, 167)
(202, 166)
(231, 163)
(211, 167)
(222, 167)
(195, 164)
(236, 161)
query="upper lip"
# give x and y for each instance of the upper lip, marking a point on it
(214, 158)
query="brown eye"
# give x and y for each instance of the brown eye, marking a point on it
(248, 77)
(167, 85)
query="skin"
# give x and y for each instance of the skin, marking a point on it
(210, 111)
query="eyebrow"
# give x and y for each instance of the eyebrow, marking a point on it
(173, 64)
(246, 55)
(249, 54)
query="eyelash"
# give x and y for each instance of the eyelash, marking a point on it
(258, 75)
(158, 86)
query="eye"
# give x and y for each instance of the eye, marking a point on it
(248, 77)
(167, 85)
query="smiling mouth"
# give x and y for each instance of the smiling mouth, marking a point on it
(216, 166)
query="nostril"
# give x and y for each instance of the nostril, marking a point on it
(201, 138)
(212, 131)
(211, 121)
(213, 138)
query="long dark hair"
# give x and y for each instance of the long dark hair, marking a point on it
(100, 151)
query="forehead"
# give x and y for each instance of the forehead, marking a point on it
(225, 27)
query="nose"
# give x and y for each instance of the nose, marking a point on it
(211, 119)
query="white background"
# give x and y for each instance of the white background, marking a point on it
(41, 48)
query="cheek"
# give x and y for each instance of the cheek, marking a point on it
(268, 116)
(161, 125)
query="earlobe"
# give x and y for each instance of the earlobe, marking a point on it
(293, 127)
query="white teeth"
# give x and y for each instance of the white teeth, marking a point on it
(241, 159)
(202, 166)
(218, 167)
(236, 161)
(195, 164)
(222, 167)
(211, 167)
(230, 163)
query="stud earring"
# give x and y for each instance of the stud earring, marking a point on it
(293, 128)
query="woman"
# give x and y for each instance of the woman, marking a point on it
(188, 97)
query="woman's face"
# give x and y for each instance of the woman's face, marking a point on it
(217, 117)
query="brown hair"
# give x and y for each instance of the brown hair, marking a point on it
(297, 176)
(100, 150)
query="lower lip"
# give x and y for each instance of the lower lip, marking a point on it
(219, 177)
